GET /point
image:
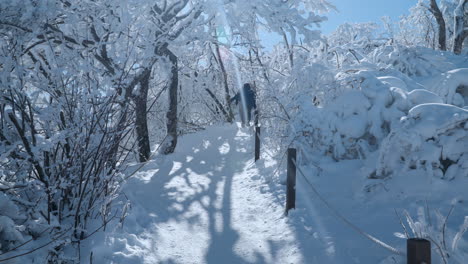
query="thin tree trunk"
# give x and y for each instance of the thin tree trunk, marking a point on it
(227, 96)
(434, 9)
(170, 142)
(123, 119)
(460, 32)
(141, 123)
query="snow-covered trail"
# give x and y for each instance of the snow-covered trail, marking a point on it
(207, 203)
(210, 203)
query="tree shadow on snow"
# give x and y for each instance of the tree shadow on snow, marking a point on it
(199, 175)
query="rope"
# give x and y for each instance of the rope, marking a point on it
(337, 214)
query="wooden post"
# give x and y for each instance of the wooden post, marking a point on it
(418, 251)
(257, 143)
(256, 117)
(291, 180)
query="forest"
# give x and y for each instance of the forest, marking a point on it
(120, 131)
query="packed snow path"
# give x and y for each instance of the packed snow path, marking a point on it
(206, 204)
(210, 203)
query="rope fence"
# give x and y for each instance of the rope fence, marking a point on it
(417, 250)
(344, 219)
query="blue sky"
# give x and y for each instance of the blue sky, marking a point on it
(365, 11)
(353, 11)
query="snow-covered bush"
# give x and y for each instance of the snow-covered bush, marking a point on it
(412, 61)
(375, 85)
(419, 28)
(60, 132)
(58, 169)
(433, 226)
(350, 44)
(10, 231)
(354, 121)
(432, 138)
(293, 94)
(365, 116)
(452, 86)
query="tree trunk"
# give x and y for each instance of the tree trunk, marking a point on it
(227, 96)
(122, 122)
(434, 9)
(460, 32)
(141, 123)
(169, 144)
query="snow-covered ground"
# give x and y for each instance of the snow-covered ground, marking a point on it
(379, 117)
(210, 203)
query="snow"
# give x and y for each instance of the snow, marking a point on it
(452, 86)
(380, 125)
(205, 204)
(431, 138)
(435, 117)
(8, 233)
(393, 81)
(387, 149)
(210, 203)
(421, 96)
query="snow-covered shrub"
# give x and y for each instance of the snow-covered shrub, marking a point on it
(422, 96)
(418, 28)
(412, 61)
(292, 91)
(452, 86)
(58, 169)
(364, 110)
(353, 34)
(27, 13)
(432, 138)
(361, 105)
(60, 131)
(432, 225)
(10, 234)
(350, 44)
(355, 121)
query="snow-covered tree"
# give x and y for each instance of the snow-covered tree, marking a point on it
(430, 22)
(419, 27)
(460, 25)
(441, 32)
